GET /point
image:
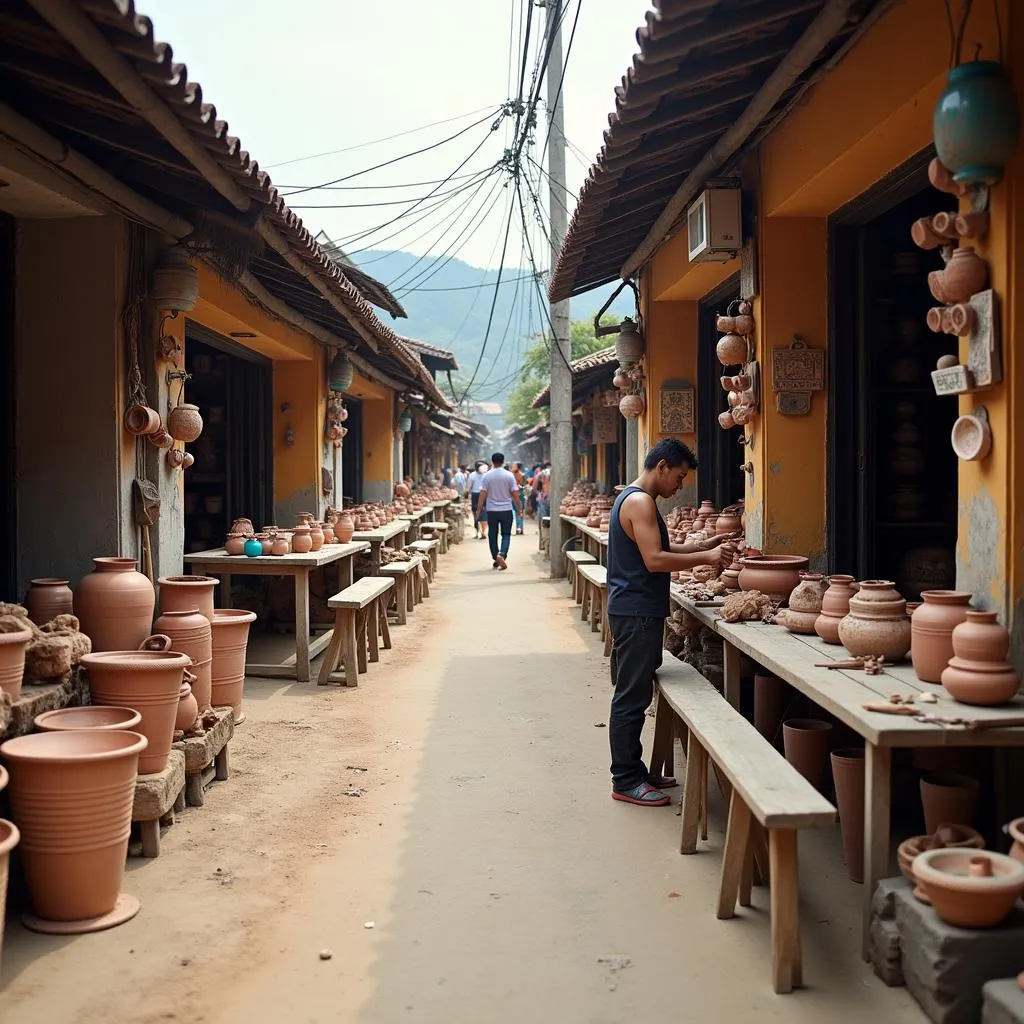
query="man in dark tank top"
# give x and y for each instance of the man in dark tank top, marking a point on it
(640, 563)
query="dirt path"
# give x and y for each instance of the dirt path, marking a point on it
(501, 882)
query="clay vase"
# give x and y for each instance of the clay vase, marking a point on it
(188, 708)
(931, 631)
(149, 682)
(235, 544)
(808, 593)
(184, 593)
(328, 529)
(877, 622)
(243, 526)
(978, 672)
(728, 522)
(731, 350)
(230, 639)
(12, 661)
(48, 598)
(114, 605)
(770, 693)
(191, 633)
(948, 799)
(90, 717)
(9, 838)
(316, 536)
(965, 274)
(969, 888)
(280, 545)
(848, 777)
(805, 741)
(775, 576)
(302, 541)
(835, 606)
(72, 794)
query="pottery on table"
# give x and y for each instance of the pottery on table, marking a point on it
(252, 548)
(149, 682)
(978, 672)
(344, 527)
(93, 716)
(12, 661)
(931, 631)
(808, 593)
(948, 798)
(243, 526)
(235, 544)
(806, 741)
(775, 576)
(114, 605)
(266, 543)
(877, 622)
(191, 633)
(188, 707)
(797, 622)
(183, 593)
(316, 536)
(230, 639)
(970, 888)
(72, 794)
(47, 598)
(280, 545)
(302, 540)
(835, 606)
(848, 778)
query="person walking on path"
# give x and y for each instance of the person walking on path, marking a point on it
(476, 479)
(459, 483)
(517, 472)
(499, 496)
(640, 563)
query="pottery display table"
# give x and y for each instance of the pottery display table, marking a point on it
(206, 757)
(415, 520)
(594, 541)
(157, 797)
(392, 534)
(219, 563)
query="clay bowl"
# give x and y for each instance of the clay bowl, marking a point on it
(947, 837)
(970, 888)
(93, 717)
(1015, 828)
(775, 576)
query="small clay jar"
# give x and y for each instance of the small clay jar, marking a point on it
(266, 542)
(344, 527)
(731, 350)
(980, 637)
(797, 622)
(743, 324)
(328, 529)
(244, 527)
(279, 545)
(725, 324)
(931, 631)
(966, 274)
(184, 423)
(728, 521)
(235, 544)
(316, 535)
(48, 598)
(877, 622)
(188, 707)
(978, 673)
(835, 606)
(302, 541)
(807, 595)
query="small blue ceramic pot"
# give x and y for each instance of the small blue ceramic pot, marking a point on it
(253, 547)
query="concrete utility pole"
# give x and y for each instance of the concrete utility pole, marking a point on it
(561, 345)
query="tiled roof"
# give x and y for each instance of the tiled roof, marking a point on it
(442, 356)
(583, 374)
(377, 292)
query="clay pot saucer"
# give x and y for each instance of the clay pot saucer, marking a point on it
(126, 907)
(970, 888)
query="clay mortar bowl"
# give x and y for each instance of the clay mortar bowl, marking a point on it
(970, 888)
(947, 837)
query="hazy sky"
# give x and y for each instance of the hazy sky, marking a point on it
(305, 77)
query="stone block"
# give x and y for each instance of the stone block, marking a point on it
(17, 717)
(945, 967)
(883, 902)
(156, 794)
(1003, 1002)
(884, 949)
(199, 751)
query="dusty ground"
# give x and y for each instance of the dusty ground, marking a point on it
(502, 883)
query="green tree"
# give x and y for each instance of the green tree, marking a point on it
(534, 371)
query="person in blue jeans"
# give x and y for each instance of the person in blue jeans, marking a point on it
(476, 479)
(499, 499)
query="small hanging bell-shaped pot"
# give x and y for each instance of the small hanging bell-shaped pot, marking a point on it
(629, 345)
(184, 423)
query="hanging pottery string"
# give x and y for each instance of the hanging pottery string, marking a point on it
(140, 418)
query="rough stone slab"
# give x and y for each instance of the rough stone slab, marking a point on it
(16, 719)
(946, 967)
(155, 794)
(1003, 1002)
(201, 750)
(883, 902)
(884, 949)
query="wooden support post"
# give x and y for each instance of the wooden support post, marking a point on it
(735, 858)
(787, 968)
(696, 761)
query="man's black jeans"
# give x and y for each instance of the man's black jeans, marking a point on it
(636, 656)
(504, 520)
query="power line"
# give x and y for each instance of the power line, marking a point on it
(368, 188)
(469, 287)
(387, 202)
(561, 79)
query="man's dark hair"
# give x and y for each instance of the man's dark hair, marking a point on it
(673, 451)
(498, 459)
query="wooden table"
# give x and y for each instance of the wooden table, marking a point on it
(843, 692)
(413, 520)
(218, 562)
(376, 539)
(594, 541)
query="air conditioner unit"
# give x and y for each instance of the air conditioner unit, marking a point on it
(713, 226)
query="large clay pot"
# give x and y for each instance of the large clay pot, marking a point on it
(72, 794)
(149, 682)
(806, 744)
(48, 598)
(114, 605)
(970, 888)
(344, 527)
(835, 606)
(877, 622)
(808, 593)
(770, 694)
(848, 776)
(948, 799)
(191, 633)
(978, 672)
(230, 638)
(12, 661)
(9, 838)
(931, 631)
(93, 716)
(965, 274)
(731, 350)
(775, 576)
(183, 593)
(728, 522)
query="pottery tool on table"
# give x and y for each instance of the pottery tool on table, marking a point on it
(872, 664)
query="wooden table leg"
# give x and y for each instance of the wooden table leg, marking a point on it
(361, 640)
(734, 861)
(349, 649)
(225, 590)
(382, 621)
(696, 764)
(401, 601)
(787, 968)
(372, 629)
(732, 674)
(877, 795)
(346, 572)
(302, 625)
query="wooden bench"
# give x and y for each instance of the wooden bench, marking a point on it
(358, 610)
(765, 792)
(441, 529)
(594, 603)
(405, 576)
(427, 548)
(573, 560)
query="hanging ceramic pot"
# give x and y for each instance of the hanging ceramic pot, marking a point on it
(877, 623)
(629, 343)
(631, 406)
(230, 639)
(731, 350)
(184, 423)
(184, 593)
(931, 631)
(190, 633)
(966, 274)
(620, 380)
(114, 605)
(141, 420)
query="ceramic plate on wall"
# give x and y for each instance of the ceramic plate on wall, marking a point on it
(971, 436)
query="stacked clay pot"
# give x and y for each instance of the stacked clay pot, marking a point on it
(978, 672)
(114, 605)
(191, 633)
(48, 598)
(9, 836)
(931, 631)
(804, 604)
(835, 606)
(92, 716)
(969, 888)
(877, 623)
(185, 593)
(775, 576)
(230, 639)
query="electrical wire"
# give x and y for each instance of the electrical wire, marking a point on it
(387, 202)
(561, 78)
(368, 188)
(468, 287)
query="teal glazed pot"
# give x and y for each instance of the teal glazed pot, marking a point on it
(253, 547)
(976, 123)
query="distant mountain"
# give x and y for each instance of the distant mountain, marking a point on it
(448, 307)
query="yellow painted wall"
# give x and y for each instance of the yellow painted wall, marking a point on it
(301, 387)
(378, 431)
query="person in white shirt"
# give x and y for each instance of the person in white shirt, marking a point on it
(459, 483)
(499, 498)
(476, 480)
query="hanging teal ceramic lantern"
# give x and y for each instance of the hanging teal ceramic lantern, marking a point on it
(405, 421)
(976, 123)
(341, 372)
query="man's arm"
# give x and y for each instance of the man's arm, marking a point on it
(642, 523)
(481, 503)
(703, 545)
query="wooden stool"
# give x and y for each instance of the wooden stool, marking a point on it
(353, 607)
(157, 797)
(206, 756)
(441, 529)
(573, 560)
(428, 548)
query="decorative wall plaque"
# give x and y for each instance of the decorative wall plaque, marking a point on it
(606, 424)
(798, 368)
(677, 410)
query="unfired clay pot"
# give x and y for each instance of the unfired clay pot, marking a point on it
(48, 598)
(9, 838)
(344, 527)
(797, 622)
(835, 606)
(114, 605)
(978, 672)
(770, 695)
(877, 622)
(970, 888)
(848, 777)
(806, 744)
(12, 661)
(931, 631)
(948, 798)
(230, 639)
(184, 423)
(90, 717)
(302, 541)
(775, 576)
(316, 536)
(965, 274)
(183, 593)
(191, 633)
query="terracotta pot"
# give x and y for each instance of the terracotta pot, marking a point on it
(316, 536)
(280, 545)
(188, 708)
(966, 273)
(743, 324)
(183, 593)
(806, 744)
(12, 661)
(191, 633)
(726, 420)
(184, 423)
(9, 838)
(848, 777)
(72, 794)
(235, 544)
(770, 695)
(141, 420)
(328, 529)
(728, 522)
(835, 606)
(931, 631)
(776, 576)
(980, 637)
(631, 406)
(243, 526)
(731, 350)
(90, 717)
(114, 605)
(266, 543)
(48, 598)
(924, 235)
(230, 639)
(948, 799)
(149, 682)
(302, 540)
(725, 324)
(1016, 830)
(978, 673)
(808, 594)
(797, 622)
(877, 622)
(970, 888)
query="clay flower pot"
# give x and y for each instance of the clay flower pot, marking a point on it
(184, 423)
(835, 606)
(9, 838)
(965, 274)
(948, 799)
(188, 708)
(48, 598)
(230, 639)
(235, 544)
(848, 777)
(970, 888)
(877, 622)
(978, 672)
(770, 694)
(191, 633)
(931, 631)
(775, 576)
(89, 717)
(805, 741)
(183, 593)
(147, 681)
(114, 605)
(72, 794)
(12, 661)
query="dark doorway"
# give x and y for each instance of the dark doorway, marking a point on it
(8, 397)
(892, 473)
(352, 452)
(718, 451)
